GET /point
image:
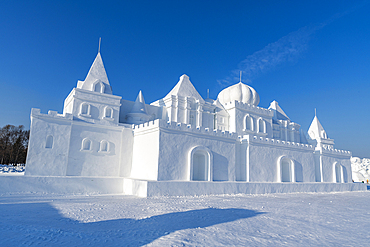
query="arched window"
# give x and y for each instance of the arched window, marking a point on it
(86, 145)
(200, 162)
(323, 134)
(191, 119)
(104, 146)
(261, 126)
(292, 135)
(338, 173)
(108, 112)
(85, 109)
(98, 87)
(286, 170)
(249, 123)
(49, 141)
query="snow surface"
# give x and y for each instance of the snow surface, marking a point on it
(9, 170)
(360, 169)
(300, 219)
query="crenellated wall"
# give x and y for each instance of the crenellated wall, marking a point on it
(48, 158)
(167, 145)
(274, 142)
(62, 146)
(158, 123)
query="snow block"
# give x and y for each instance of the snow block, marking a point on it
(195, 188)
(61, 185)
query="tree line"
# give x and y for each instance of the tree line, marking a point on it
(13, 144)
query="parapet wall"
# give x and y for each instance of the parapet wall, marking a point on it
(336, 152)
(158, 123)
(249, 107)
(275, 142)
(35, 112)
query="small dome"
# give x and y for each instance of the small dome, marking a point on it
(239, 92)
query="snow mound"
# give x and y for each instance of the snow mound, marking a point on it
(360, 169)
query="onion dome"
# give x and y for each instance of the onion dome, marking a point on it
(239, 92)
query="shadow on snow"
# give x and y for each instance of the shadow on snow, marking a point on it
(41, 223)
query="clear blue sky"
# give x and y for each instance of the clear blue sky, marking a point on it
(303, 54)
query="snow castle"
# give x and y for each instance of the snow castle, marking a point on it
(182, 144)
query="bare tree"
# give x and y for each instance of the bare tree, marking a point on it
(13, 144)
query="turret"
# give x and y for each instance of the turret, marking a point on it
(92, 101)
(138, 112)
(97, 79)
(317, 133)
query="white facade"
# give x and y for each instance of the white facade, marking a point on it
(181, 137)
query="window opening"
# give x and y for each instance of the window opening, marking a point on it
(85, 109)
(261, 126)
(49, 141)
(103, 146)
(249, 123)
(108, 112)
(86, 144)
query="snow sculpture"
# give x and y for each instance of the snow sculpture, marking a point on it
(360, 169)
(239, 92)
(97, 79)
(181, 137)
(138, 113)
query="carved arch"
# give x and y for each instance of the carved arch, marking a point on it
(98, 86)
(285, 169)
(200, 160)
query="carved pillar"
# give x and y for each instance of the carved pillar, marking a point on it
(199, 114)
(174, 105)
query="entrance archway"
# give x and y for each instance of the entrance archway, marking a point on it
(200, 162)
(286, 170)
(338, 173)
(200, 166)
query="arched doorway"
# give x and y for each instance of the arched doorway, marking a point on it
(286, 171)
(200, 164)
(338, 173)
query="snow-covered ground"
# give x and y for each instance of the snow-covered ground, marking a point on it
(300, 219)
(12, 170)
(360, 169)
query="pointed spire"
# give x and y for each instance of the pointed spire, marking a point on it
(185, 88)
(139, 105)
(97, 71)
(279, 113)
(95, 75)
(316, 131)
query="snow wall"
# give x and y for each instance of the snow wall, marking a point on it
(116, 185)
